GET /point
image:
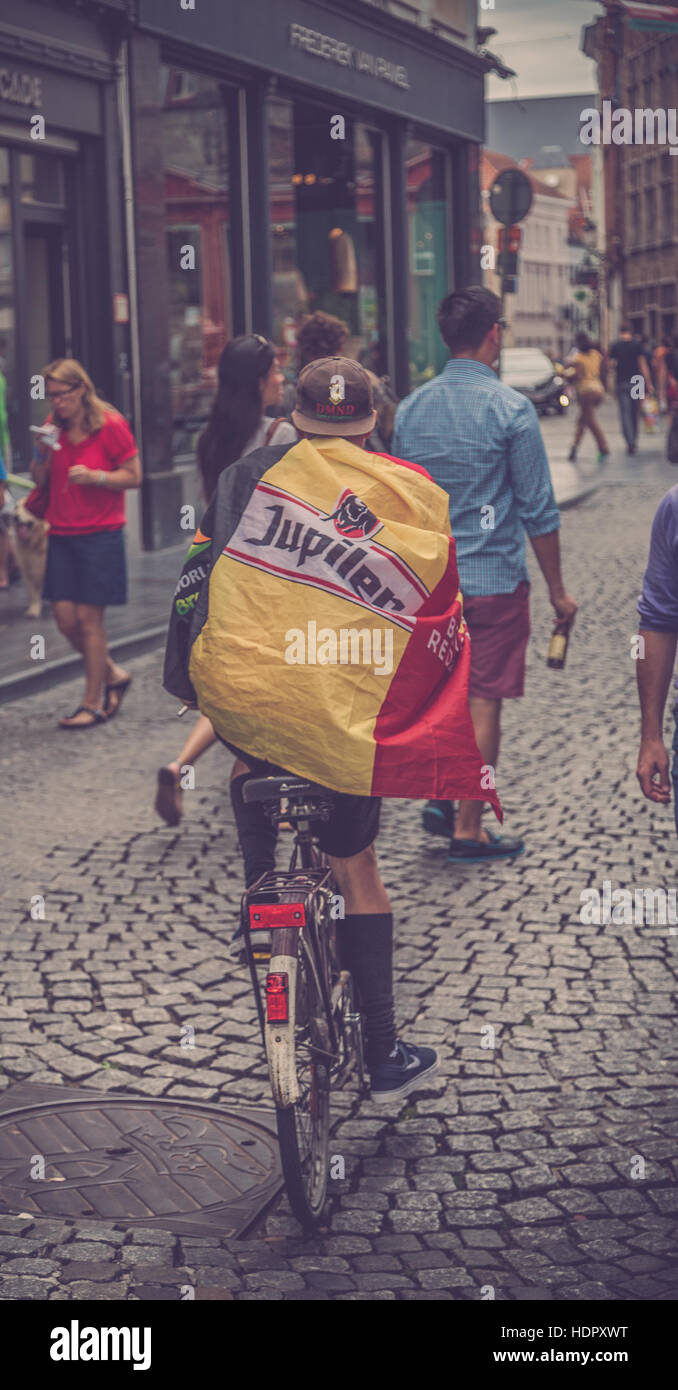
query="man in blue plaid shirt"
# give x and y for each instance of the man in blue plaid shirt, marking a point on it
(480, 440)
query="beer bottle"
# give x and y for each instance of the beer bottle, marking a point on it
(558, 647)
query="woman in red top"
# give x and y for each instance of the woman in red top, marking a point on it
(87, 475)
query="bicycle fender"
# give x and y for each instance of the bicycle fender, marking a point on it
(279, 1040)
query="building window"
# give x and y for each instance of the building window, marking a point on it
(667, 210)
(197, 230)
(650, 214)
(634, 219)
(326, 229)
(427, 257)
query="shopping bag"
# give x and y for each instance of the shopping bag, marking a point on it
(650, 413)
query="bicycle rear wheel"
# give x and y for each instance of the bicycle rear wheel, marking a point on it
(304, 1126)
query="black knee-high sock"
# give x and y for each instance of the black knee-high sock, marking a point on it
(256, 834)
(365, 942)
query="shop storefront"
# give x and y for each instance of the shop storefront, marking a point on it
(61, 237)
(290, 157)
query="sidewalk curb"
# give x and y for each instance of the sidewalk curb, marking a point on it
(578, 497)
(136, 643)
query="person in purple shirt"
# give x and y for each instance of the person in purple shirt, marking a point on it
(658, 612)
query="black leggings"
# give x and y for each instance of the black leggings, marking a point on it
(256, 834)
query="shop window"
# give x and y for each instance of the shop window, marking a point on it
(7, 377)
(197, 232)
(427, 260)
(326, 230)
(42, 181)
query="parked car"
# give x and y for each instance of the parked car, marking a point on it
(531, 372)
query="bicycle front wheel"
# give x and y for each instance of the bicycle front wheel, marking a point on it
(304, 1126)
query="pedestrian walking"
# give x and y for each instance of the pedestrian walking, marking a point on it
(586, 370)
(324, 335)
(630, 366)
(660, 373)
(658, 631)
(250, 382)
(480, 440)
(84, 481)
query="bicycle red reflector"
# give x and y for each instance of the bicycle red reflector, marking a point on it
(267, 916)
(276, 997)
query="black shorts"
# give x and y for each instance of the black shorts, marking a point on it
(89, 568)
(353, 824)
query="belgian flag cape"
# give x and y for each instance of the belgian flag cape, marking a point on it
(318, 624)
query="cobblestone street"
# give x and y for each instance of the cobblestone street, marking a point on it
(541, 1168)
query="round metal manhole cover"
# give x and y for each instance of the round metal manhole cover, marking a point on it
(180, 1165)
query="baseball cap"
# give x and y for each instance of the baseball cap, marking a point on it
(334, 396)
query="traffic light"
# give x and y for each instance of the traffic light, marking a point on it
(507, 262)
(509, 238)
(508, 241)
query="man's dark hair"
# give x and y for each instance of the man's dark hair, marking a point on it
(320, 335)
(626, 328)
(465, 317)
(583, 342)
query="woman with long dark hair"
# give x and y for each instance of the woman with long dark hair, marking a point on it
(249, 382)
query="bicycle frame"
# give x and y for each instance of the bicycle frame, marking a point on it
(299, 887)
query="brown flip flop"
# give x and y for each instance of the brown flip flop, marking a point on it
(169, 796)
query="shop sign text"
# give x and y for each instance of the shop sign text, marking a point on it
(20, 87)
(325, 46)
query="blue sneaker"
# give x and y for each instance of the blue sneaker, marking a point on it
(406, 1068)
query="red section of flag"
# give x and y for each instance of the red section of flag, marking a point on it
(432, 745)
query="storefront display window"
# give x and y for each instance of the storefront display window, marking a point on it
(7, 355)
(197, 223)
(326, 228)
(42, 179)
(427, 258)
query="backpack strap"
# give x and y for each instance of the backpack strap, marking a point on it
(282, 419)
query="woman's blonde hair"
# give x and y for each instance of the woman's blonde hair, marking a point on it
(71, 373)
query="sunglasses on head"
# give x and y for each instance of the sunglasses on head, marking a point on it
(59, 395)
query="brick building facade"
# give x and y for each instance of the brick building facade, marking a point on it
(638, 70)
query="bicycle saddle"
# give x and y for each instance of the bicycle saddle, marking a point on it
(272, 788)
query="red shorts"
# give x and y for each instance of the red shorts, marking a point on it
(499, 625)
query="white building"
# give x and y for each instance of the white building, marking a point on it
(538, 314)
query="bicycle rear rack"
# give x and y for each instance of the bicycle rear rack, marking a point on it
(277, 887)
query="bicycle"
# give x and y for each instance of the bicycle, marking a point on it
(310, 1020)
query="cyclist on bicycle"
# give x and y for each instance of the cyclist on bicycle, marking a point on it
(334, 403)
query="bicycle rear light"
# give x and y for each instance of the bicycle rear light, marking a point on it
(267, 916)
(277, 985)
